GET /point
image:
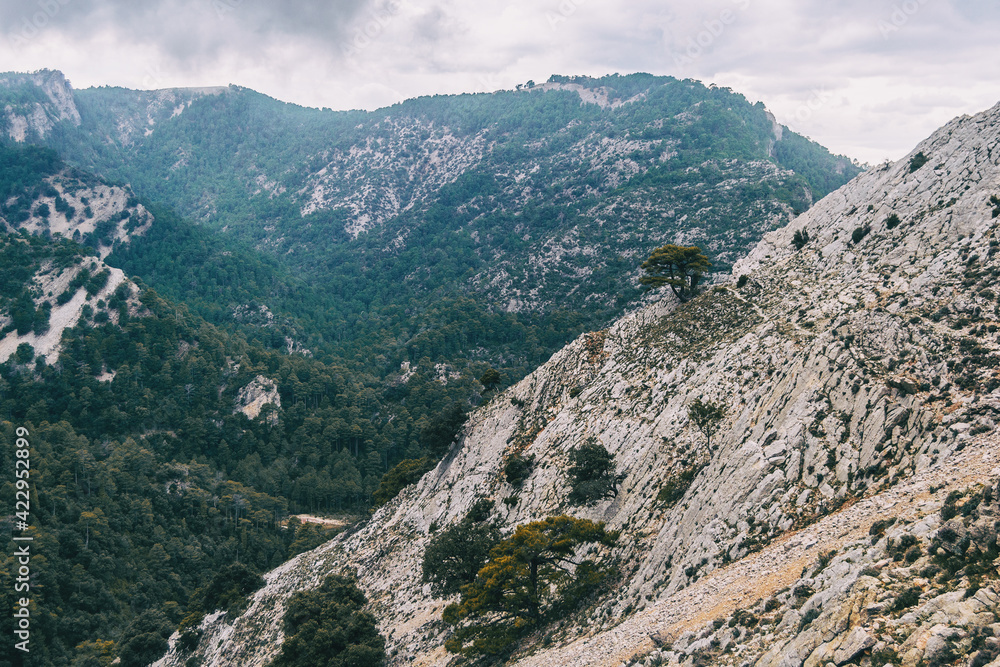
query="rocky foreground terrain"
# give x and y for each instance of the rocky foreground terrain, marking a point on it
(846, 510)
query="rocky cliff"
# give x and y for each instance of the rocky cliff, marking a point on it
(35, 103)
(72, 205)
(855, 351)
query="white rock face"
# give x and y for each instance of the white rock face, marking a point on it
(252, 398)
(367, 180)
(67, 315)
(117, 218)
(37, 118)
(151, 108)
(845, 366)
(106, 204)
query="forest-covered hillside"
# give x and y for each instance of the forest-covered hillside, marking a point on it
(149, 475)
(473, 230)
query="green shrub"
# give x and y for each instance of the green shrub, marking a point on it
(406, 472)
(189, 639)
(898, 548)
(517, 469)
(144, 640)
(885, 656)
(907, 598)
(592, 473)
(949, 511)
(744, 618)
(98, 281)
(930, 571)
(228, 589)
(803, 592)
(892, 221)
(917, 161)
(454, 557)
(24, 353)
(675, 487)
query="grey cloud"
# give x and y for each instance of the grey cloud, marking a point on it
(889, 71)
(189, 31)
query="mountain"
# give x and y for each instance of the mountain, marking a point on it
(539, 202)
(845, 509)
(36, 104)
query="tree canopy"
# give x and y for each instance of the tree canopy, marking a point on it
(680, 267)
(706, 416)
(517, 469)
(491, 379)
(455, 556)
(592, 473)
(326, 627)
(530, 576)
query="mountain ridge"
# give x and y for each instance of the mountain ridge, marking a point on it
(528, 209)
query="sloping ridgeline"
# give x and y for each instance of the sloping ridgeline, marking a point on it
(858, 373)
(539, 202)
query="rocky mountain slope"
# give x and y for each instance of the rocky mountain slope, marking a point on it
(537, 190)
(33, 104)
(852, 363)
(64, 283)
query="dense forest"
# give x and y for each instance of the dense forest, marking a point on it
(146, 481)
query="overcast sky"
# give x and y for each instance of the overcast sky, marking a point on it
(867, 78)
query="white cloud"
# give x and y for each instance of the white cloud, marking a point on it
(867, 78)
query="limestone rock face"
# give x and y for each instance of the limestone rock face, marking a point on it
(36, 119)
(846, 367)
(261, 391)
(54, 280)
(90, 212)
(94, 213)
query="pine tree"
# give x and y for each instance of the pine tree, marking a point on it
(679, 267)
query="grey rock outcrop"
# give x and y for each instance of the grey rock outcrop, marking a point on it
(32, 119)
(251, 399)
